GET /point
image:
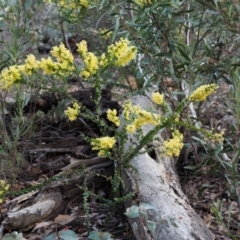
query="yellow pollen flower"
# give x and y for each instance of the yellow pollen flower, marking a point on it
(91, 62)
(112, 116)
(73, 112)
(10, 76)
(138, 116)
(105, 34)
(70, 6)
(62, 54)
(82, 48)
(91, 65)
(121, 53)
(157, 98)
(103, 145)
(3, 188)
(131, 128)
(173, 146)
(84, 3)
(31, 65)
(103, 61)
(127, 108)
(216, 137)
(48, 66)
(145, 117)
(85, 74)
(201, 93)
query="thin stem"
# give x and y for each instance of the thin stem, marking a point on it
(67, 45)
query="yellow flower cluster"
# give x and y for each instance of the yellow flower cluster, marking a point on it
(104, 33)
(84, 3)
(64, 64)
(121, 53)
(201, 93)
(10, 76)
(82, 48)
(157, 98)
(70, 4)
(103, 144)
(90, 60)
(73, 112)
(127, 109)
(3, 188)
(65, 60)
(30, 66)
(112, 116)
(103, 61)
(91, 65)
(173, 146)
(216, 137)
(143, 2)
(48, 66)
(62, 54)
(71, 8)
(145, 117)
(138, 117)
(131, 128)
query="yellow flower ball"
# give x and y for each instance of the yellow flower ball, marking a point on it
(173, 146)
(73, 112)
(103, 144)
(112, 116)
(157, 98)
(131, 128)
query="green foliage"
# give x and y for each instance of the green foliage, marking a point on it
(216, 208)
(133, 212)
(12, 236)
(62, 235)
(141, 211)
(136, 211)
(95, 235)
(181, 46)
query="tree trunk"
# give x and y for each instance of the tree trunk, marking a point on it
(156, 183)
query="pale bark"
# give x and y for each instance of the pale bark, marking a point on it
(53, 199)
(156, 183)
(28, 216)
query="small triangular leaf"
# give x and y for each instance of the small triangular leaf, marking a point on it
(52, 236)
(94, 235)
(147, 206)
(151, 226)
(132, 212)
(68, 235)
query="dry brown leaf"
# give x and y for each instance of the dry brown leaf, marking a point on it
(42, 225)
(207, 219)
(64, 219)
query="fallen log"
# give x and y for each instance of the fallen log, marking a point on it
(156, 183)
(48, 206)
(53, 199)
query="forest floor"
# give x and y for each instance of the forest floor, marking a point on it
(57, 147)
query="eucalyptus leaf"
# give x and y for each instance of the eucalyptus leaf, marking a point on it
(13, 236)
(133, 212)
(151, 226)
(68, 235)
(94, 235)
(147, 206)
